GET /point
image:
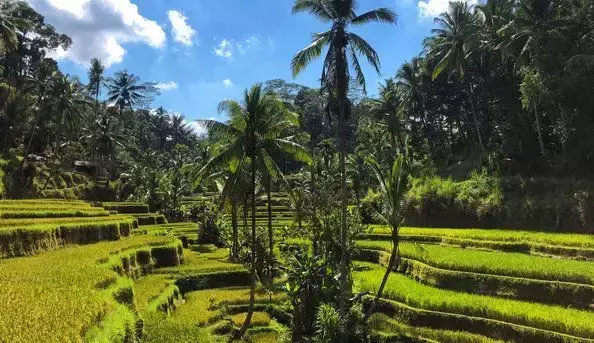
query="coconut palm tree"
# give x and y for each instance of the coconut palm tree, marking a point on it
(392, 185)
(386, 110)
(455, 44)
(344, 49)
(69, 101)
(533, 25)
(258, 127)
(126, 91)
(96, 79)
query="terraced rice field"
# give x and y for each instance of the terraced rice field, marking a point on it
(96, 278)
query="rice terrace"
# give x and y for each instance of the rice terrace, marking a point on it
(412, 171)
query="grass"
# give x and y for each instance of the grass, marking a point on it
(389, 327)
(497, 263)
(31, 213)
(402, 289)
(32, 239)
(208, 260)
(258, 319)
(531, 237)
(22, 222)
(200, 308)
(57, 296)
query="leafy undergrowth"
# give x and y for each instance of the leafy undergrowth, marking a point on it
(497, 263)
(401, 288)
(56, 296)
(550, 238)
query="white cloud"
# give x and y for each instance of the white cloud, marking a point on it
(224, 49)
(248, 44)
(182, 32)
(99, 28)
(227, 83)
(433, 8)
(198, 128)
(167, 86)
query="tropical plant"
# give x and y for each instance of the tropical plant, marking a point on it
(258, 127)
(8, 35)
(392, 184)
(69, 101)
(96, 78)
(455, 44)
(342, 47)
(386, 109)
(126, 92)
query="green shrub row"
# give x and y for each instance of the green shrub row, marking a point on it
(494, 263)
(472, 324)
(550, 292)
(32, 239)
(558, 319)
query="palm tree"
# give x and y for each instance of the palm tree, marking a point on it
(257, 127)
(126, 91)
(69, 100)
(96, 79)
(409, 81)
(344, 47)
(386, 109)
(103, 138)
(454, 45)
(392, 186)
(533, 24)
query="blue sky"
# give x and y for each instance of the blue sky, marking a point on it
(204, 51)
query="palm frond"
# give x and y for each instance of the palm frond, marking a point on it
(304, 57)
(316, 8)
(365, 49)
(380, 15)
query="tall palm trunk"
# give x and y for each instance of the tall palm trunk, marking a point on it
(234, 234)
(341, 87)
(475, 117)
(389, 268)
(250, 313)
(539, 131)
(270, 231)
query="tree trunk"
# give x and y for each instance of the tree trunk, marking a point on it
(342, 89)
(250, 313)
(390, 267)
(234, 234)
(475, 117)
(270, 231)
(539, 131)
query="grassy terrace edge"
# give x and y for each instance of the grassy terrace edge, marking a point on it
(549, 323)
(543, 291)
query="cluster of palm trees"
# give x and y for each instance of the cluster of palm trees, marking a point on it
(490, 79)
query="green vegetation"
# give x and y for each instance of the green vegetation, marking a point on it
(69, 290)
(403, 289)
(509, 264)
(390, 330)
(256, 231)
(514, 236)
